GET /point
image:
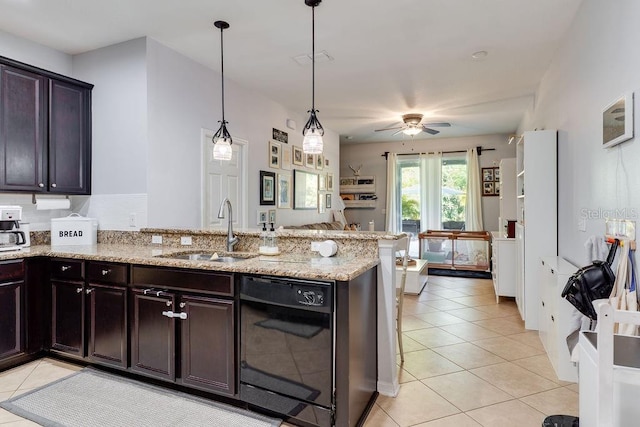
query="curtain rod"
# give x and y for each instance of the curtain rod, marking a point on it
(479, 148)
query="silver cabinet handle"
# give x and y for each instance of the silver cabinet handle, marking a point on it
(171, 314)
(183, 304)
(105, 272)
(89, 291)
(65, 267)
(79, 290)
(54, 185)
(41, 185)
(169, 303)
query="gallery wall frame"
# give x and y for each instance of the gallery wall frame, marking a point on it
(617, 121)
(274, 154)
(305, 189)
(267, 188)
(284, 191)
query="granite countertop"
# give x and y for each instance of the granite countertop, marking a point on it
(292, 265)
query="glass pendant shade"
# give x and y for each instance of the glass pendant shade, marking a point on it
(222, 143)
(312, 142)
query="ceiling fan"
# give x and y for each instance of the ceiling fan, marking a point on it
(413, 127)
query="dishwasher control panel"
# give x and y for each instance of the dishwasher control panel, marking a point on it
(311, 297)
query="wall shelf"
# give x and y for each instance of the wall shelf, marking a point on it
(358, 192)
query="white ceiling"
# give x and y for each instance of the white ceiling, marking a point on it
(390, 56)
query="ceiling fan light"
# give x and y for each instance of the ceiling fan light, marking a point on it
(411, 131)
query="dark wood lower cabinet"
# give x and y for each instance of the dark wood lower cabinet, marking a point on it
(11, 331)
(107, 324)
(153, 334)
(207, 342)
(67, 317)
(201, 328)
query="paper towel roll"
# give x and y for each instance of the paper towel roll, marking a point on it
(48, 204)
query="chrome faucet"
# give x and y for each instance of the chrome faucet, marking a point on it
(231, 239)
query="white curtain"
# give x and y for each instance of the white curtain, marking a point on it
(431, 187)
(473, 211)
(394, 216)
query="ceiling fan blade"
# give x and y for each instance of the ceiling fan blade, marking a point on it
(397, 127)
(430, 131)
(438, 125)
(397, 132)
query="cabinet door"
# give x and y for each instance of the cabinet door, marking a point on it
(23, 130)
(67, 317)
(208, 356)
(153, 334)
(11, 336)
(107, 324)
(69, 138)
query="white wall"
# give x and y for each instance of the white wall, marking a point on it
(35, 54)
(370, 156)
(183, 98)
(598, 61)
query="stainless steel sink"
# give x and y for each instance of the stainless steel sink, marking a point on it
(210, 256)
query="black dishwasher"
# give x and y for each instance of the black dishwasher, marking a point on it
(287, 344)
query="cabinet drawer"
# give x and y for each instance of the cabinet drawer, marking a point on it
(199, 281)
(67, 269)
(11, 270)
(107, 272)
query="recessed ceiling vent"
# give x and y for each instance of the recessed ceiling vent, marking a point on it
(305, 59)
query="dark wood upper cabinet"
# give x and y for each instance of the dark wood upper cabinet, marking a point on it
(23, 130)
(69, 138)
(45, 131)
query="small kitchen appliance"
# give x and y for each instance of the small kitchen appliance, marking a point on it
(12, 238)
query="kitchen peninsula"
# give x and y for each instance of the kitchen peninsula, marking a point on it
(126, 274)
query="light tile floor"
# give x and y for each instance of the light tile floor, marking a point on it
(468, 362)
(471, 362)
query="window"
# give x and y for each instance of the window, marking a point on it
(447, 209)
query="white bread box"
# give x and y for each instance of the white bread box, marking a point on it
(74, 230)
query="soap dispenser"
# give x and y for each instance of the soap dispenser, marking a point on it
(269, 247)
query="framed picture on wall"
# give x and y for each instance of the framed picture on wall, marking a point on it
(487, 175)
(328, 200)
(267, 188)
(319, 161)
(274, 154)
(488, 189)
(284, 191)
(329, 182)
(285, 158)
(298, 156)
(310, 161)
(617, 121)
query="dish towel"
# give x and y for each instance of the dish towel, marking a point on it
(597, 249)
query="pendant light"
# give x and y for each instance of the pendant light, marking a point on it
(313, 131)
(222, 139)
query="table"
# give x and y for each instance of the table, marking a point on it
(417, 276)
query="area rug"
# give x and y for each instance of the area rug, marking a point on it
(94, 398)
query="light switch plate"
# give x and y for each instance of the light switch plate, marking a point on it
(157, 240)
(185, 240)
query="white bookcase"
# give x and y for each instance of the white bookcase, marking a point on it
(358, 191)
(507, 192)
(537, 213)
(503, 258)
(555, 322)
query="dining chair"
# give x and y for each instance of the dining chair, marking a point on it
(403, 245)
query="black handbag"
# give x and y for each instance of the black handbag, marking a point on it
(592, 282)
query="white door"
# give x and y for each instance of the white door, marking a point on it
(224, 179)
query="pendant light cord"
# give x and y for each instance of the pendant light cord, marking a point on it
(222, 69)
(313, 58)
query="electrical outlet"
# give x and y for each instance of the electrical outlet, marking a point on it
(185, 240)
(132, 220)
(157, 240)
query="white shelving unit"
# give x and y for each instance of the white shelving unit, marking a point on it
(503, 258)
(358, 191)
(556, 313)
(507, 192)
(537, 214)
